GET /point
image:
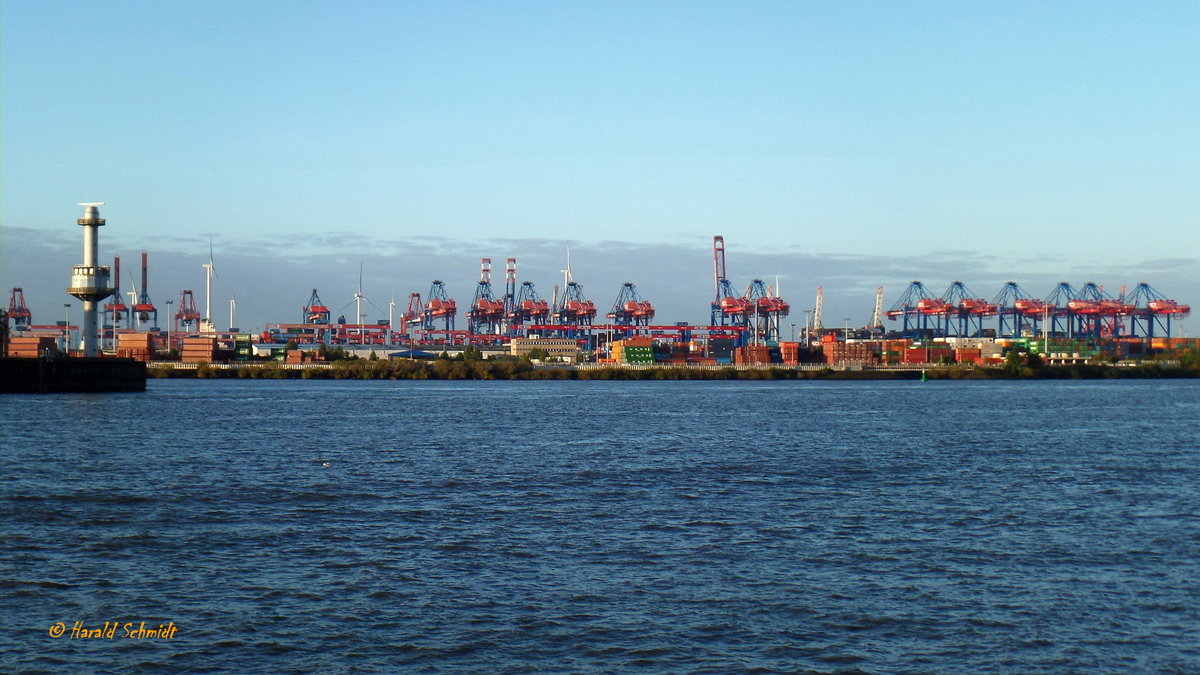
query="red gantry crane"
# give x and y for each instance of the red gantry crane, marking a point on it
(630, 309)
(528, 308)
(964, 315)
(1152, 312)
(1019, 313)
(18, 311)
(315, 311)
(486, 314)
(764, 310)
(728, 309)
(414, 315)
(1099, 315)
(440, 308)
(914, 307)
(510, 293)
(187, 315)
(1057, 310)
(115, 310)
(144, 309)
(576, 310)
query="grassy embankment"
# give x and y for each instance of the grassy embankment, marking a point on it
(512, 369)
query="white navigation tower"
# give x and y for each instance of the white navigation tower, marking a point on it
(90, 282)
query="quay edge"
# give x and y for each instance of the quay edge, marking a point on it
(71, 375)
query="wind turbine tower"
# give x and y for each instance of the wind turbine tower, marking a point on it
(90, 282)
(358, 298)
(206, 324)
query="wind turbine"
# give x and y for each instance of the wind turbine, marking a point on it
(358, 298)
(133, 296)
(567, 281)
(391, 309)
(207, 325)
(567, 278)
(232, 308)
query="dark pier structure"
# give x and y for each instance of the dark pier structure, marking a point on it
(71, 375)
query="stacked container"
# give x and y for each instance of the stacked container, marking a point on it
(860, 353)
(789, 353)
(243, 347)
(752, 355)
(923, 355)
(137, 346)
(199, 350)
(32, 347)
(635, 350)
(721, 349)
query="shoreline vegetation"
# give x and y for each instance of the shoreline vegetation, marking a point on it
(457, 369)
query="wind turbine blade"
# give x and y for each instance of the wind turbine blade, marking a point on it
(211, 265)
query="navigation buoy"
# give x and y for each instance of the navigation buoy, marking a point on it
(922, 376)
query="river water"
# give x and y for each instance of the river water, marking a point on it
(604, 526)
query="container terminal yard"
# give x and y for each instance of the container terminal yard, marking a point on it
(1066, 325)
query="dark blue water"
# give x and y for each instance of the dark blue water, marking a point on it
(578, 526)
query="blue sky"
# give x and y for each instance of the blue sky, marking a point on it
(839, 144)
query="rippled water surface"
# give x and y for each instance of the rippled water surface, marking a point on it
(578, 526)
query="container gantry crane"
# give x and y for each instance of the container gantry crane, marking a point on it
(528, 308)
(914, 307)
(510, 294)
(630, 309)
(18, 311)
(486, 314)
(1017, 311)
(440, 308)
(764, 311)
(728, 309)
(1151, 312)
(414, 315)
(187, 315)
(817, 326)
(1099, 314)
(1057, 310)
(575, 310)
(144, 308)
(315, 311)
(115, 310)
(876, 325)
(964, 314)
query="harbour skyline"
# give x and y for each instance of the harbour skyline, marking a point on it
(844, 147)
(272, 289)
